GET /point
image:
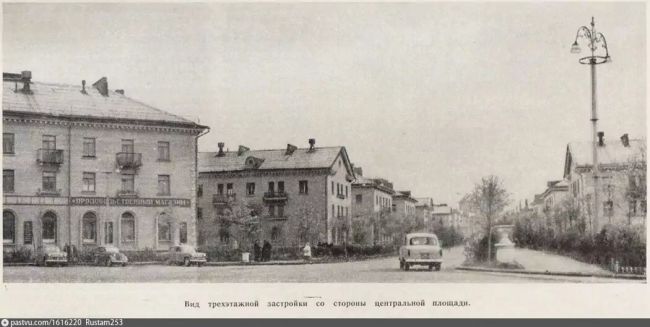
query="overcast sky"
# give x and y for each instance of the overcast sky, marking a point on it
(431, 96)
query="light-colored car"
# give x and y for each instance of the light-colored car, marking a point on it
(107, 255)
(50, 254)
(422, 249)
(186, 255)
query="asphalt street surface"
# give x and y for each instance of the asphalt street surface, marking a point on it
(382, 270)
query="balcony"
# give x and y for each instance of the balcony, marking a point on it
(223, 199)
(50, 157)
(275, 196)
(127, 194)
(126, 160)
(340, 196)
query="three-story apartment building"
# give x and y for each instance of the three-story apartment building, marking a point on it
(294, 194)
(371, 197)
(87, 166)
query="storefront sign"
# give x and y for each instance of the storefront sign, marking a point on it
(130, 202)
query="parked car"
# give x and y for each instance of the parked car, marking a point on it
(107, 255)
(50, 254)
(420, 249)
(186, 255)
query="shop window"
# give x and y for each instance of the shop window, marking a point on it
(49, 228)
(164, 231)
(127, 230)
(89, 228)
(108, 232)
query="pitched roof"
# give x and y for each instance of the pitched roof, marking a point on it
(378, 183)
(60, 100)
(441, 210)
(611, 153)
(321, 157)
(423, 202)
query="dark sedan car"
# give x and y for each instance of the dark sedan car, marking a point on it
(108, 256)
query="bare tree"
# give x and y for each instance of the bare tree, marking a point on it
(489, 198)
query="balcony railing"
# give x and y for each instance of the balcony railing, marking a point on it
(223, 199)
(127, 193)
(275, 196)
(340, 196)
(126, 160)
(50, 156)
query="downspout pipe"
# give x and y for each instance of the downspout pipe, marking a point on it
(196, 181)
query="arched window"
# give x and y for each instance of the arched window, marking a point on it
(275, 233)
(89, 228)
(8, 227)
(49, 227)
(127, 229)
(183, 233)
(164, 228)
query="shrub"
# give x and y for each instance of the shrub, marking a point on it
(17, 255)
(145, 255)
(476, 248)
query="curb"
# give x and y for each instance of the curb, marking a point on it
(553, 273)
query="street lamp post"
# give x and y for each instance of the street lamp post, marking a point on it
(596, 41)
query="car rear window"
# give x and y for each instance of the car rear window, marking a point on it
(422, 240)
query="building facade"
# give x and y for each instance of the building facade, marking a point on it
(404, 206)
(622, 195)
(371, 198)
(424, 211)
(87, 166)
(286, 196)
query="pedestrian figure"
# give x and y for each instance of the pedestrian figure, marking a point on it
(266, 251)
(257, 251)
(306, 252)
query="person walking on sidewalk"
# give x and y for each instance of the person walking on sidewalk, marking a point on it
(306, 252)
(266, 251)
(257, 251)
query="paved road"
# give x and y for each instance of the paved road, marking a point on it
(384, 270)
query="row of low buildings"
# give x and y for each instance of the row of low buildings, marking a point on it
(84, 165)
(622, 186)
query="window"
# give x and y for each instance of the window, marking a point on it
(220, 189)
(8, 227)
(127, 230)
(127, 146)
(608, 208)
(280, 211)
(271, 211)
(8, 143)
(88, 182)
(49, 228)
(271, 187)
(7, 181)
(359, 198)
(346, 191)
(275, 233)
(163, 185)
(49, 142)
(199, 191)
(128, 181)
(164, 231)
(333, 212)
(229, 189)
(183, 233)
(303, 187)
(199, 213)
(280, 187)
(250, 188)
(89, 228)
(89, 147)
(108, 232)
(49, 181)
(28, 233)
(163, 151)
(332, 188)
(633, 207)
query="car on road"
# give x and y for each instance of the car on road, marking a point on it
(50, 254)
(106, 255)
(186, 255)
(422, 249)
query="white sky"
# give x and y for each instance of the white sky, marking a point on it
(431, 96)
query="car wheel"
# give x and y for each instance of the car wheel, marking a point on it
(186, 262)
(407, 266)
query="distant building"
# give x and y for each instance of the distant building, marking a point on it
(371, 198)
(555, 193)
(88, 166)
(403, 205)
(424, 211)
(469, 217)
(622, 177)
(443, 214)
(294, 194)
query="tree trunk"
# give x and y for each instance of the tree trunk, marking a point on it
(489, 236)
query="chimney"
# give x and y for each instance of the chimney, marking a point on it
(102, 86)
(83, 86)
(358, 171)
(220, 153)
(601, 138)
(242, 149)
(290, 149)
(312, 143)
(26, 77)
(625, 140)
(120, 92)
